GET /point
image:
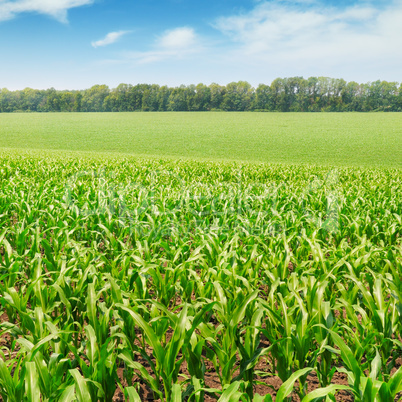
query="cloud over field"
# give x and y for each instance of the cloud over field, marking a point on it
(179, 38)
(177, 42)
(183, 42)
(55, 8)
(110, 38)
(314, 34)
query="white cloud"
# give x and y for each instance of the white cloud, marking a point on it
(110, 38)
(55, 8)
(277, 38)
(179, 38)
(174, 43)
(316, 39)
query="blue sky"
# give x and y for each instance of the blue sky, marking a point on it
(75, 44)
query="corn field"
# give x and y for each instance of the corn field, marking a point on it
(130, 279)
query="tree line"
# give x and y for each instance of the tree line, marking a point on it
(294, 94)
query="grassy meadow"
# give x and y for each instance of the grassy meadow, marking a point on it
(338, 139)
(200, 257)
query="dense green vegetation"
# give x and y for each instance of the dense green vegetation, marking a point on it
(136, 274)
(294, 94)
(352, 139)
(176, 279)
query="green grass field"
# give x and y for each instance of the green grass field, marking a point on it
(351, 139)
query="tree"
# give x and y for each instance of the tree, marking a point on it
(8, 101)
(217, 94)
(163, 98)
(150, 101)
(177, 100)
(52, 100)
(351, 96)
(238, 96)
(279, 95)
(30, 99)
(292, 94)
(201, 99)
(93, 98)
(263, 98)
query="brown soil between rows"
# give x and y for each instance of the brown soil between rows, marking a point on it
(267, 385)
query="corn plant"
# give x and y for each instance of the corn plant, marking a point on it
(126, 272)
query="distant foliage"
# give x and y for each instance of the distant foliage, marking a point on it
(294, 94)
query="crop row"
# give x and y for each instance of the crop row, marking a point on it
(123, 277)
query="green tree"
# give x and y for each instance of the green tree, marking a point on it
(93, 98)
(238, 97)
(200, 98)
(263, 98)
(352, 96)
(150, 101)
(178, 99)
(30, 99)
(52, 100)
(163, 98)
(217, 94)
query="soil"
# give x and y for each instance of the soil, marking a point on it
(266, 385)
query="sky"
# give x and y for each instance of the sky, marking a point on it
(74, 44)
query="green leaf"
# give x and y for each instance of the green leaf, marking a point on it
(68, 394)
(132, 394)
(231, 394)
(260, 398)
(32, 382)
(321, 392)
(375, 366)
(177, 340)
(287, 387)
(81, 386)
(240, 311)
(347, 355)
(150, 334)
(153, 383)
(176, 393)
(6, 380)
(45, 380)
(395, 382)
